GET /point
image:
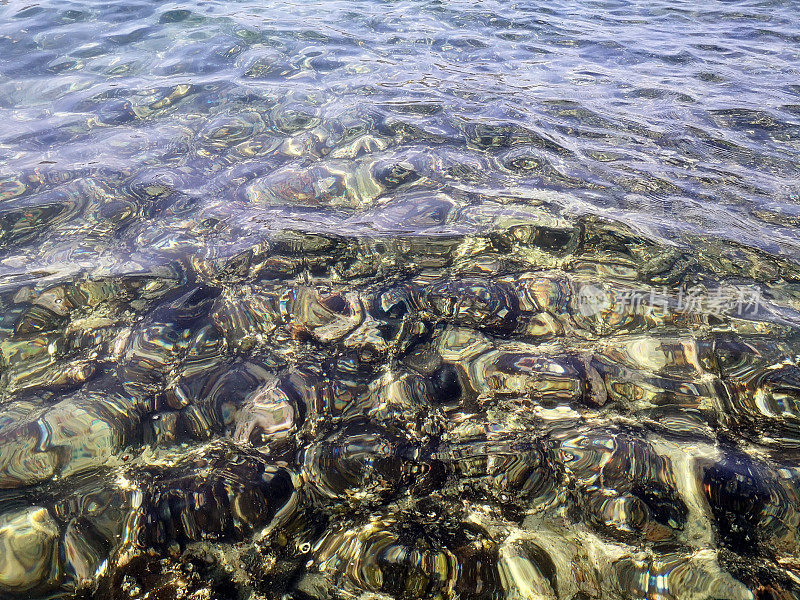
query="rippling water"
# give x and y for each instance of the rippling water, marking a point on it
(400, 299)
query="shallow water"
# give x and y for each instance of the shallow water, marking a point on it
(400, 300)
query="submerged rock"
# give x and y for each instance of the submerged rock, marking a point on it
(28, 550)
(499, 416)
(396, 557)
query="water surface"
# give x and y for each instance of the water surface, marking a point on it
(399, 300)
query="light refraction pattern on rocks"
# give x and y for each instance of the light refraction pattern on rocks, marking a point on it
(399, 300)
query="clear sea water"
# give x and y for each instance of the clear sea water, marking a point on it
(400, 299)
